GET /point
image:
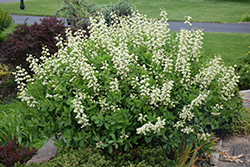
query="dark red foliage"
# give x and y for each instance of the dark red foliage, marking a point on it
(12, 153)
(30, 39)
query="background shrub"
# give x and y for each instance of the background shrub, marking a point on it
(123, 8)
(7, 85)
(245, 18)
(131, 84)
(13, 152)
(29, 40)
(243, 69)
(74, 10)
(5, 20)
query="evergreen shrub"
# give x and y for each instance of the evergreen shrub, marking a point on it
(130, 84)
(122, 8)
(73, 10)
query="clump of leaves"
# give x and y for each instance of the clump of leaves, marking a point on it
(245, 18)
(7, 85)
(5, 20)
(145, 156)
(243, 69)
(13, 152)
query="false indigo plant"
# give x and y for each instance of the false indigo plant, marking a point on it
(130, 84)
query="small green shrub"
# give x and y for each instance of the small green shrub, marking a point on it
(130, 84)
(123, 8)
(245, 18)
(89, 156)
(243, 69)
(5, 20)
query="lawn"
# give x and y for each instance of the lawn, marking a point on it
(231, 46)
(229, 11)
(7, 31)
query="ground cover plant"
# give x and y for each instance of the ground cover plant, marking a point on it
(203, 10)
(130, 84)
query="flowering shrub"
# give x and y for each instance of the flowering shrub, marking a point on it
(243, 69)
(128, 84)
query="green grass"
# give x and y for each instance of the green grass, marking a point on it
(229, 11)
(9, 30)
(231, 46)
(34, 7)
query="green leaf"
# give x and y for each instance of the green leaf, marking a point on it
(106, 125)
(164, 137)
(148, 139)
(110, 149)
(125, 147)
(110, 141)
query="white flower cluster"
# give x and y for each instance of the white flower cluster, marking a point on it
(204, 136)
(99, 145)
(216, 109)
(79, 110)
(114, 85)
(142, 118)
(188, 53)
(186, 113)
(123, 135)
(148, 127)
(188, 20)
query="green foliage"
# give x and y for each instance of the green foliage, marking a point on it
(243, 69)
(186, 155)
(4, 71)
(5, 20)
(7, 84)
(245, 18)
(89, 156)
(75, 10)
(122, 8)
(15, 120)
(130, 84)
